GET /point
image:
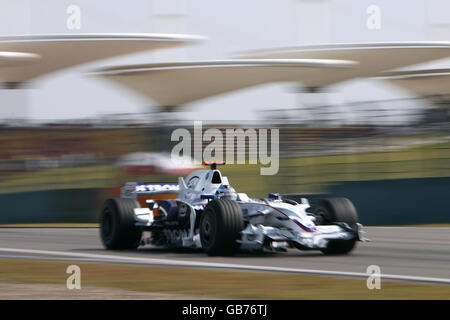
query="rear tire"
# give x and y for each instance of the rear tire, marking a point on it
(338, 210)
(220, 226)
(117, 224)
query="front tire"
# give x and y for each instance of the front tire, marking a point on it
(333, 211)
(117, 225)
(220, 227)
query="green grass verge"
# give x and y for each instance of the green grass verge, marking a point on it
(63, 178)
(214, 283)
(296, 174)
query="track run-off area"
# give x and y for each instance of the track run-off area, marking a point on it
(402, 253)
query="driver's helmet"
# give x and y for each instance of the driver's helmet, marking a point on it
(226, 192)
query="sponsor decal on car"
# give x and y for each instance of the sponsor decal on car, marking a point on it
(143, 187)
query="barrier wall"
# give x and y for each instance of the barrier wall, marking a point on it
(400, 201)
(379, 202)
(68, 205)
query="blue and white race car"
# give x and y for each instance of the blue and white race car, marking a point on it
(204, 211)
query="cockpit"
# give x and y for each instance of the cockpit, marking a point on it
(226, 192)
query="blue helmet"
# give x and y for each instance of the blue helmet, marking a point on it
(226, 192)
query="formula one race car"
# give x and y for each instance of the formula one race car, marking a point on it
(204, 211)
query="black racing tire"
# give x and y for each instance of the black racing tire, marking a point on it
(333, 211)
(117, 224)
(220, 226)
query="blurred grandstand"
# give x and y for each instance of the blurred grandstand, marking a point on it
(37, 160)
(84, 153)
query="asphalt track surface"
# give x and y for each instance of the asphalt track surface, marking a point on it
(403, 253)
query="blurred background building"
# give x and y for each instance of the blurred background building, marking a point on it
(232, 27)
(66, 131)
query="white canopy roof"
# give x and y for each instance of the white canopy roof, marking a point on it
(373, 58)
(432, 83)
(50, 53)
(172, 84)
(9, 59)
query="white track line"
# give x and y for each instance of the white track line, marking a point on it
(169, 262)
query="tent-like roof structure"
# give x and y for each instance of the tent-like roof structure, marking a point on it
(9, 59)
(433, 84)
(373, 58)
(173, 84)
(49, 53)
